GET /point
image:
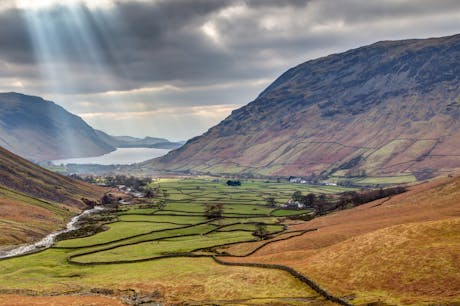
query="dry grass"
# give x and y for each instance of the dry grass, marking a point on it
(175, 280)
(35, 201)
(16, 300)
(244, 248)
(404, 251)
(408, 263)
(18, 211)
(23, 222)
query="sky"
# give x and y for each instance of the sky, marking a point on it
(175, 68)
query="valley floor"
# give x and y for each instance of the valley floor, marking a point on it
(165, 253)
(399, 250)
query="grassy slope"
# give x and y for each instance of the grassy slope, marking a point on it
(35, 201)
(24, 219)
(25, 177)
(177, 279)
(404, 251)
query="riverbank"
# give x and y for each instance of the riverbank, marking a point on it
(50, 239)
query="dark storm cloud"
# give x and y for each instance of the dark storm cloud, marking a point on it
(276, 3)
(189, 53)
(141, 42)
(166, 41)
(14, 40)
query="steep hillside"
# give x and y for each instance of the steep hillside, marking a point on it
(402, 250)
(390, 108)
(41, 130)
(34, 201)
(133, 142)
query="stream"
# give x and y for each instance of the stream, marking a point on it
(49, 240)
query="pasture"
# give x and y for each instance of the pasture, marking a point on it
(165, 244)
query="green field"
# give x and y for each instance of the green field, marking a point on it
(150, 243)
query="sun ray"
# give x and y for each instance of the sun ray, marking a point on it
(74, 36)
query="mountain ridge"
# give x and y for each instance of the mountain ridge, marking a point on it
(134, 142)
(38, 129)
(391, 107)
(41, 130)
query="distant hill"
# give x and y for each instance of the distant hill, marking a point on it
(35, 201)
(390, 108)
(41, 130)
(133, 142)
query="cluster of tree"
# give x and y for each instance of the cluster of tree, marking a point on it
(129, 181)
(91, 168)
(271, 202)
(154, 192)
(150, 193)
(89, 203)
(214, 211)
(132, 182)
(261, 231)
(323, 204)
(233, 183)
(310, 200)
(354, 198)
(320, 203)
(109, 198)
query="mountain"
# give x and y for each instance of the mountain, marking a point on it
(37, 129)
(387, 109)
(133, 142)
(402, 250)
(35, 201)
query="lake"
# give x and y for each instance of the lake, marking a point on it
(121, 156)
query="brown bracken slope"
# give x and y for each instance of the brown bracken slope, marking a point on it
(16, 300)
(390, 108)
(35, 201)
(403, 250)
